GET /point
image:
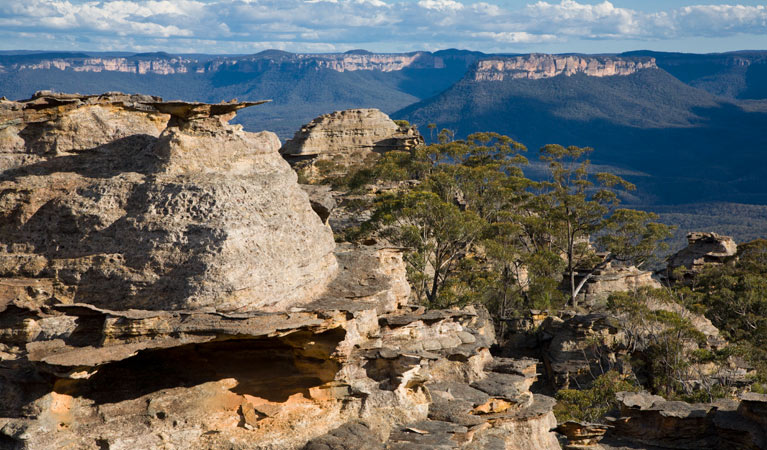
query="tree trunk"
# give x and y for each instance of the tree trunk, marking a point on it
(571, 265)
(588, 275)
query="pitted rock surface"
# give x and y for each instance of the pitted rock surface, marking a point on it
(201, 215)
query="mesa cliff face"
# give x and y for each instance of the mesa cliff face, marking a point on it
(164, 283)
(537, 66)
(172, 65)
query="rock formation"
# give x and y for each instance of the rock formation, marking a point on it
(614, 278)
(582, 436)
(578, 348)
(200, 215)
(164, 283)
(703, 249)
(335, 142)
(651, 420)
(538, 66)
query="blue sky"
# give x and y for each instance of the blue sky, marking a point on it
(514, 26)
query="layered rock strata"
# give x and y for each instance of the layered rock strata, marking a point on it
(333, 143)
(729, 424)
(539, 66)
(165, 64)
(173, 288)
(495, 411)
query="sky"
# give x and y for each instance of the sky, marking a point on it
(499, 26)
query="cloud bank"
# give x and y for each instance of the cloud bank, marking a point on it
(244, 26)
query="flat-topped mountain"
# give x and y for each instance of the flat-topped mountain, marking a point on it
(537, 66)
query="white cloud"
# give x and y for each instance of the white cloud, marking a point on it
(515, 37)
(440, 5)
(311, 25)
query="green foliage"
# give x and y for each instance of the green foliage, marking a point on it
(438, 235)
(574, 205)
(464, 197)
(667, 345)
(591, 405)
(734, 297)
(477, 230)
(402, 123)
(631, 235)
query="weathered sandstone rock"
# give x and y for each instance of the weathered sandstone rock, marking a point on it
(202, 215)
(614, 278)
(582, 436)
(576, 349)
(333, 143)
(703, 249)
(651, 420)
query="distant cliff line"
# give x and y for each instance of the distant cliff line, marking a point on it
(489, 67)
(538, 66)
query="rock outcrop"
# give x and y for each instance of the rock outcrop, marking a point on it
(173, 288)
(577, 349)
(539, 66)
(333, 143)
(583, 436)
(703, 249)
(614, 278)
(202, 215)
(728, 424)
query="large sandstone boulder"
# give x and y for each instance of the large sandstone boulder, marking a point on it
(703, 249)
(333, 143)
(202, 215)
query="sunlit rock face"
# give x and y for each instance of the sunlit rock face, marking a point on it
(335, 143)
(119, 213)
(537, 66)
(703, 250)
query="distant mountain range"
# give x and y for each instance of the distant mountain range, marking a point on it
(302, 86)
(687, 128)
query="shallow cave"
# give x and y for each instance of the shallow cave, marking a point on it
(270, 368)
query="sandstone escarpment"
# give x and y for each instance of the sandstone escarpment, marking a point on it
(165, 64)
(333, 143)
(538, 66)
(157, 66)
(173, 288)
